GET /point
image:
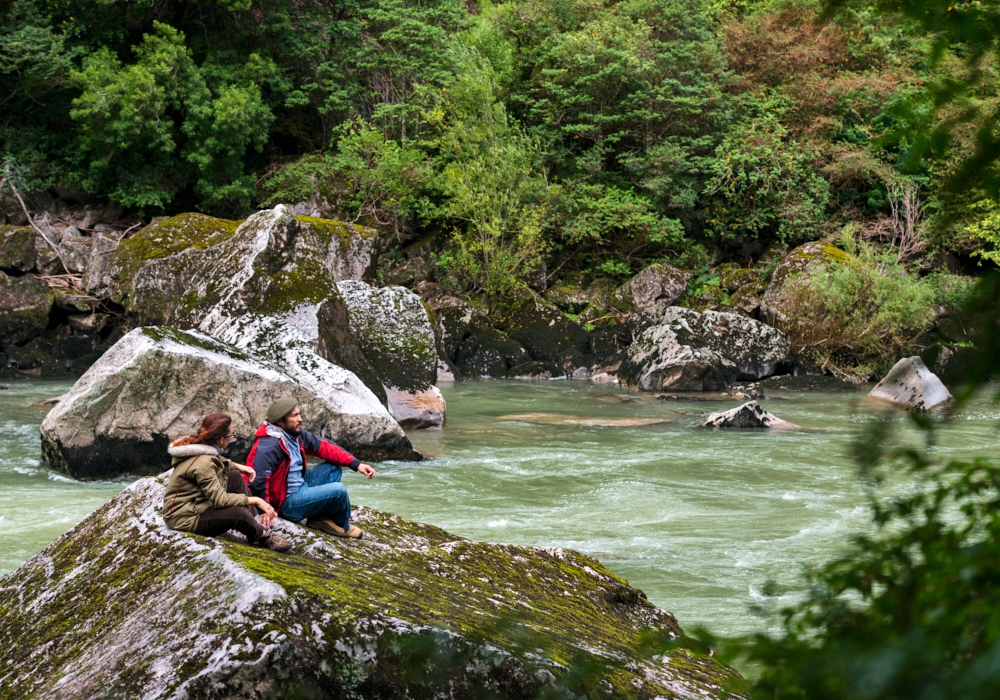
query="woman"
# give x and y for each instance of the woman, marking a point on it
(206, 493)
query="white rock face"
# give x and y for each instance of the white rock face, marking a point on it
(653, 290)
(749, 415)
(692, 351)
(754, 347)
(156, 384)
(910, 385)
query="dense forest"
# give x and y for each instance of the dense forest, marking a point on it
(538, 142)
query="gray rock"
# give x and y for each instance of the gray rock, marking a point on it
(25, 303)
(708, 351)
(653, 290)
(156, 384)
(754, 347)
(393, 331)
(76, 253)
(749, 415)
(545, 333)
(910, 385)
(121, 606)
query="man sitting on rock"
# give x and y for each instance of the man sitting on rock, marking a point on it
(314, 495)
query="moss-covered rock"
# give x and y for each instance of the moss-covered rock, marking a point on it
(25, 303)
(156, 384)
(797, 261)
(546, 334)
(653, 290)
(17, 248)
(122, 607)
(482, 350)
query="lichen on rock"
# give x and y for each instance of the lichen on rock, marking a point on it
(120, 606)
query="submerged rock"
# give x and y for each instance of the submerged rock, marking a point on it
(559, 419)
(910, 385)
(120, 606)
(156, 384)
(749, 415)
(691, 351)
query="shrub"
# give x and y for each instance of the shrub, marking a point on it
(858, 317)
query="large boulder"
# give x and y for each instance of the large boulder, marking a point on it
(749, 415)
(546, 334)
(653, 290)
(910, 385)
(25, 303)
(691, 351)
(17, 248)
(121, 606)
(393, 331)
(756, 348)
(156, 384)
(797, 261)
(469, 343)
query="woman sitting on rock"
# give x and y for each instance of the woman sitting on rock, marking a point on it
(206, 493)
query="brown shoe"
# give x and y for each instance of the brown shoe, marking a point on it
(275, 542)
(332, 528)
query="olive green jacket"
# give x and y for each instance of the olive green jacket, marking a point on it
(197, 483)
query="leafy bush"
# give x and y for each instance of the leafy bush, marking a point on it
(858, 317)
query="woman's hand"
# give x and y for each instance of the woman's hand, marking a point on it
(247, 470)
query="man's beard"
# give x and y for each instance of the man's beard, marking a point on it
(294, 432)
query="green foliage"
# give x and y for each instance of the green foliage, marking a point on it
(858, 317)
(764, 181)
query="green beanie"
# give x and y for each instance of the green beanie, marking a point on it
(281, 408)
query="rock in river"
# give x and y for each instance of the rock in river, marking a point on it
(691, 351)
(559, 419)
(122, 607)
(910, 385)
(749, 415)
(155, 384)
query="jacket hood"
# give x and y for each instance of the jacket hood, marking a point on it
(185, 451)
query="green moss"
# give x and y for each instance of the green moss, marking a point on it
(169, 237)
(162, 333)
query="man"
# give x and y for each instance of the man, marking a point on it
(314, 495)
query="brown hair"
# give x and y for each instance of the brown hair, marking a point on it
(214, 427)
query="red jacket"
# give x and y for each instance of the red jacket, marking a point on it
(269, 457)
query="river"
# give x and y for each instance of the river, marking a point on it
(699, 520)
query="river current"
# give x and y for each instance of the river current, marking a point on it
(700, 520)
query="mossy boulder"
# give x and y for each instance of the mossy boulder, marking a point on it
(17, 248)
(483, 351)
(156, 384)
(25, 303)
(545, 332)
(797, 261)
(122, 607)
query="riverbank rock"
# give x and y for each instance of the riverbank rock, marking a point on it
(156, 384)
(393, 330)
(25, 303)
(691, 351)
(749, 415)
(17, 249)
(754, 347)
(911, 386)
(120, 606)
(580, 421)
(545, 333)
(797, 261)
(653, 290)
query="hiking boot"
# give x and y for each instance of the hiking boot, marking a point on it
(275, 542)
(332, 528)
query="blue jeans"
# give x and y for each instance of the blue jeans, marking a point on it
(321, 496)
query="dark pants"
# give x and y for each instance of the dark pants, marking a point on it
(215, 521)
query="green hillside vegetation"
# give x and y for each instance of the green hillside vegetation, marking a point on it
(587, 138)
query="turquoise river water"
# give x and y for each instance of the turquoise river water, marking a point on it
(699, 520)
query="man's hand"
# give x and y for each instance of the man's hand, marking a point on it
(247, 470)
(366, 470)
